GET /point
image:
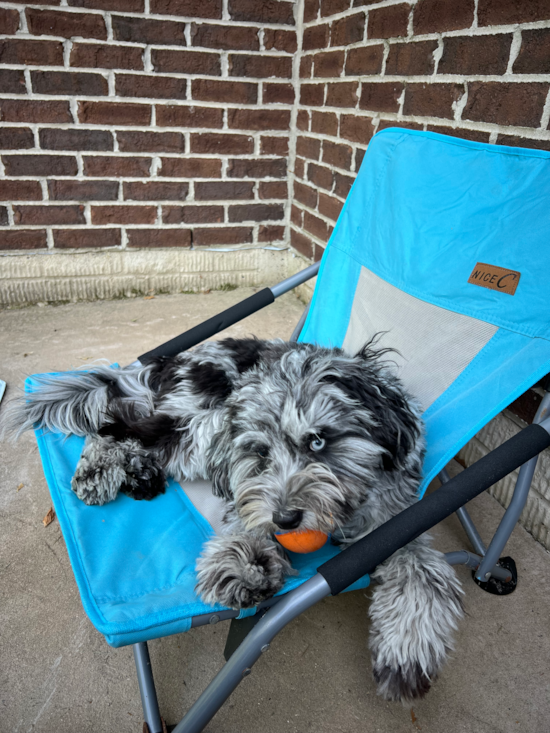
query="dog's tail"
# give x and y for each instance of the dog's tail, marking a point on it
(78, 402)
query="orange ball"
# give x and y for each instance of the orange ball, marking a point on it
(304, 541)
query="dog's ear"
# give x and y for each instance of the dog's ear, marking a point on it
(217, 462)
(393, 424)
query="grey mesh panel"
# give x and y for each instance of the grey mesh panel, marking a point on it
(211, 507)
(435, 344)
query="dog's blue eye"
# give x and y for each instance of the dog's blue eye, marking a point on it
(263, 451)
(317, 444)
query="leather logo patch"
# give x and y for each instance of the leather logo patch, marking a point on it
(495, 278)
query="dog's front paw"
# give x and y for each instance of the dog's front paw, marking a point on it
(97, 482)
(240, 572)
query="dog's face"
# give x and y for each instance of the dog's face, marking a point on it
(307, 437)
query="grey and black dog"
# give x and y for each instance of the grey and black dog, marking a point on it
(291, 436)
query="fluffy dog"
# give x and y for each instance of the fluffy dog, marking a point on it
(291, 436)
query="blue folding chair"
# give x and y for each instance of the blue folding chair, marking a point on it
(442, 246)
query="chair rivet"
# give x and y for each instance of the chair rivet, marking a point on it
(264, 648)
(487, 576)
(246, 671)
(214, 619)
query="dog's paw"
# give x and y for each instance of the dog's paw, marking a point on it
(240, 572)
(97, 484)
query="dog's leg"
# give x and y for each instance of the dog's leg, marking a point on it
(108, 466)
(414, 612)
(241, 570)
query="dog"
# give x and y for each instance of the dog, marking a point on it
(292, 436)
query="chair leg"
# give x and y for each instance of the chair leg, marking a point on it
(466, 521)
(147, 690)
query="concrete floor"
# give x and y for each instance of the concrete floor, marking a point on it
(57, 674)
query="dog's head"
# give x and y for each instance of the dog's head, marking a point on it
(308, 436)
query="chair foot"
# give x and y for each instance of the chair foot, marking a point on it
(500, 587)
(165, 728)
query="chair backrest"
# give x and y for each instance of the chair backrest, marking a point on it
(443, 245)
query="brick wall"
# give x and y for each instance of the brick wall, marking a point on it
(144, 123)
(478, 69)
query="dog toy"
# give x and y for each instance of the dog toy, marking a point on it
(304, 541)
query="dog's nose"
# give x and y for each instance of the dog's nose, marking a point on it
(288, 520)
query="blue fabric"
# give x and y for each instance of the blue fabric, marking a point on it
(134, 560)
(423, 211)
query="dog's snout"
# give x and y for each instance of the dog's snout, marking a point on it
(289, 519)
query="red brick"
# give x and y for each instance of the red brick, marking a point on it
(150, 142)
(359, 155)
(222, 235)
(315, 226)
(4, 219)
(312, 95)
(388, 22)
(159, 237)
(16, 138)
(329, 206)
(27, 110)
(66, 24)
(477, 135)
(305, 194)
(325, 123)
(9, 21)
(148, 30)
(83, 190)
(308, 147)
(365, 60)
(191, 168)
(256, 212)
(523, 142)
(30, 52)
(52, 214)
(301, 243)
(55, 139)
(279, 40)
(274, 146)
(271, 233)
(224, 190)
(75, 238)
(506, 104)
(384, 124)
(220, 143)
(331, 7)
(159, 87)
(501, 12)
(296, 215)
(260, 66)
(534, 54)
(302, 121)
(117, 214)
(347, 30)
(212, 90)
(306, 66)
(20, 191)
(186, 62)
(381, 97)
(101, 56)
(225, 37)
(328, 63)
(69, 82)
(316, 37)
(319, 250)
(258, 119)
(277, 93)
(435, 16)
(357, 129)
(267, 11)
(407, 59)
(191, 8)
(299, 167)
(311, 10)
(273, 190)
(113, 165)
(193, 116)
(342, 184)
(476, 55)
(244, 168)
(433, 100)
(192, 214)
(114, 113)
(320, 176)
(14, 239)
(128, 6)
(342, 94)
(155, 191)
(40, 165)
(337, 154)
(12, 81)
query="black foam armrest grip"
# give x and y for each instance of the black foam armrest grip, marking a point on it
(364, 556)
(211, 327)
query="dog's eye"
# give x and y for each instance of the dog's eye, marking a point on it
(263, 451)
(317, 443)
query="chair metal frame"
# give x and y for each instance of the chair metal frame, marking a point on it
(276, 613)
